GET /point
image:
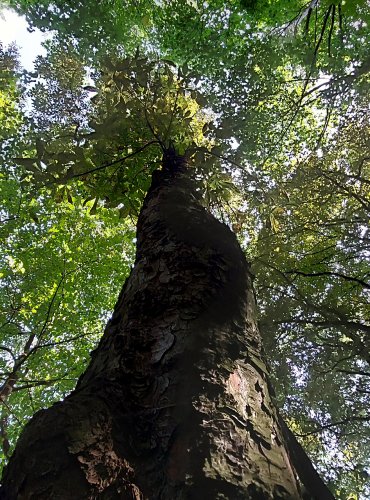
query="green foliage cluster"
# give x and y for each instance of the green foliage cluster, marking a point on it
(268, 99)
(313, 271)
(49, 252)
(10, 117)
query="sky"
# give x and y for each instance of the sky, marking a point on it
(13, 28)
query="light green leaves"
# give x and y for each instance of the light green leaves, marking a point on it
(60, 271)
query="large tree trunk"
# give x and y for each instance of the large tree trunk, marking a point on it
(175, 403)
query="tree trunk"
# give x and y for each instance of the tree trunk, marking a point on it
(175, 403)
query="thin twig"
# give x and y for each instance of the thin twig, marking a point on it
(331, 30)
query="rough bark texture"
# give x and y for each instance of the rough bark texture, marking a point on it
(175, 403)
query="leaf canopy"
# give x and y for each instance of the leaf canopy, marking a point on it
(269, 102)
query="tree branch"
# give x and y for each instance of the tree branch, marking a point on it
(352, 325)
(335, 424)
(124, 158)
(330, 273)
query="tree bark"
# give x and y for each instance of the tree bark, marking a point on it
(175, 403)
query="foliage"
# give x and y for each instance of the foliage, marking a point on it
(313, 282)
(47, 329)
(268, 100)
(9, 95)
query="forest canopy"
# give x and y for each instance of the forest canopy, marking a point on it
(269, 102)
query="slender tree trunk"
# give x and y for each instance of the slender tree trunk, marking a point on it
(175, 403)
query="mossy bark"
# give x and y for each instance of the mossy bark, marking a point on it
(175, 403)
